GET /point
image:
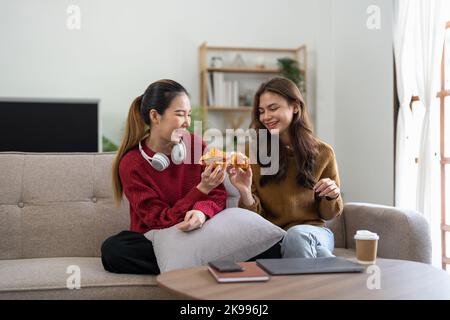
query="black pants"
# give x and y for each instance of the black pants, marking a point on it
(132, 252)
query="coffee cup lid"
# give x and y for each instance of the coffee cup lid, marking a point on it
(366, 235)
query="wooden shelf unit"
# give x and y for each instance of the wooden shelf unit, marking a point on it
(244, 70)
(241, 112)
(224, 108)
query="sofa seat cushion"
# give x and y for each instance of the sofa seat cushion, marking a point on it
(48, 278)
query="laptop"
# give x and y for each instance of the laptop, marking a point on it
(308, 265)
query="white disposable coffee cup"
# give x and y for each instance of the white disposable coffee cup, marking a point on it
(366, 246)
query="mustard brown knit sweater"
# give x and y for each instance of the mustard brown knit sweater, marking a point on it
(286, 204)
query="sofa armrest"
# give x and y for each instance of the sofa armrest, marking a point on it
(404, 234)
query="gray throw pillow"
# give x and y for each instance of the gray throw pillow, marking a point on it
(234, 234)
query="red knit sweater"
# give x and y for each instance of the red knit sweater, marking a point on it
(161, 199)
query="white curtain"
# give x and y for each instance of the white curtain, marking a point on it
(419, 29)
(418, 110)
(405, 166)
(429, 42)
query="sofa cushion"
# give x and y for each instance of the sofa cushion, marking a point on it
(234, 234)
(47, 279)
(57, 204)
(11, 176)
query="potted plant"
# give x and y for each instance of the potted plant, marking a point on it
(289, 69)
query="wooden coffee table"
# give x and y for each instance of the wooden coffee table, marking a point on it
(399, 279)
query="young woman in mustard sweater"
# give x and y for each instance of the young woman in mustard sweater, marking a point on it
(304, 193)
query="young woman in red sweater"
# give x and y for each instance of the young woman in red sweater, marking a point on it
(162, 187)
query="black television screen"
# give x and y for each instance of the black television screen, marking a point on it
(49, 126)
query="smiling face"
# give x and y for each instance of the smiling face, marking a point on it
(174, 121)
(275, 113)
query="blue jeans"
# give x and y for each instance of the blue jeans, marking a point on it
(307, 241)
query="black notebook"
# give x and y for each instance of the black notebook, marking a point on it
(308, 265)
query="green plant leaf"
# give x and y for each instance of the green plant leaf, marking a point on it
(108, 145)
(196, 115)
(289, 69)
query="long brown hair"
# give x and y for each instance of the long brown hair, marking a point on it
(304, 143)
(157, 96)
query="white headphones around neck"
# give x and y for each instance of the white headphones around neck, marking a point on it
(160, 161)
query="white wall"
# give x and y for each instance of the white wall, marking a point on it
(325, 78)
(124, 46)
(363, 101)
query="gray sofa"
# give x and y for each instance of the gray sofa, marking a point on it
(56, 210)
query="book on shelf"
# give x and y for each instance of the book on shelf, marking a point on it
(209, 79)
(234, 94)
(221, 92)
(218, 88)
(227, 93)
(251, 273)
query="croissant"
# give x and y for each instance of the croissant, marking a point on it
(219, 158)
(239, 160)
